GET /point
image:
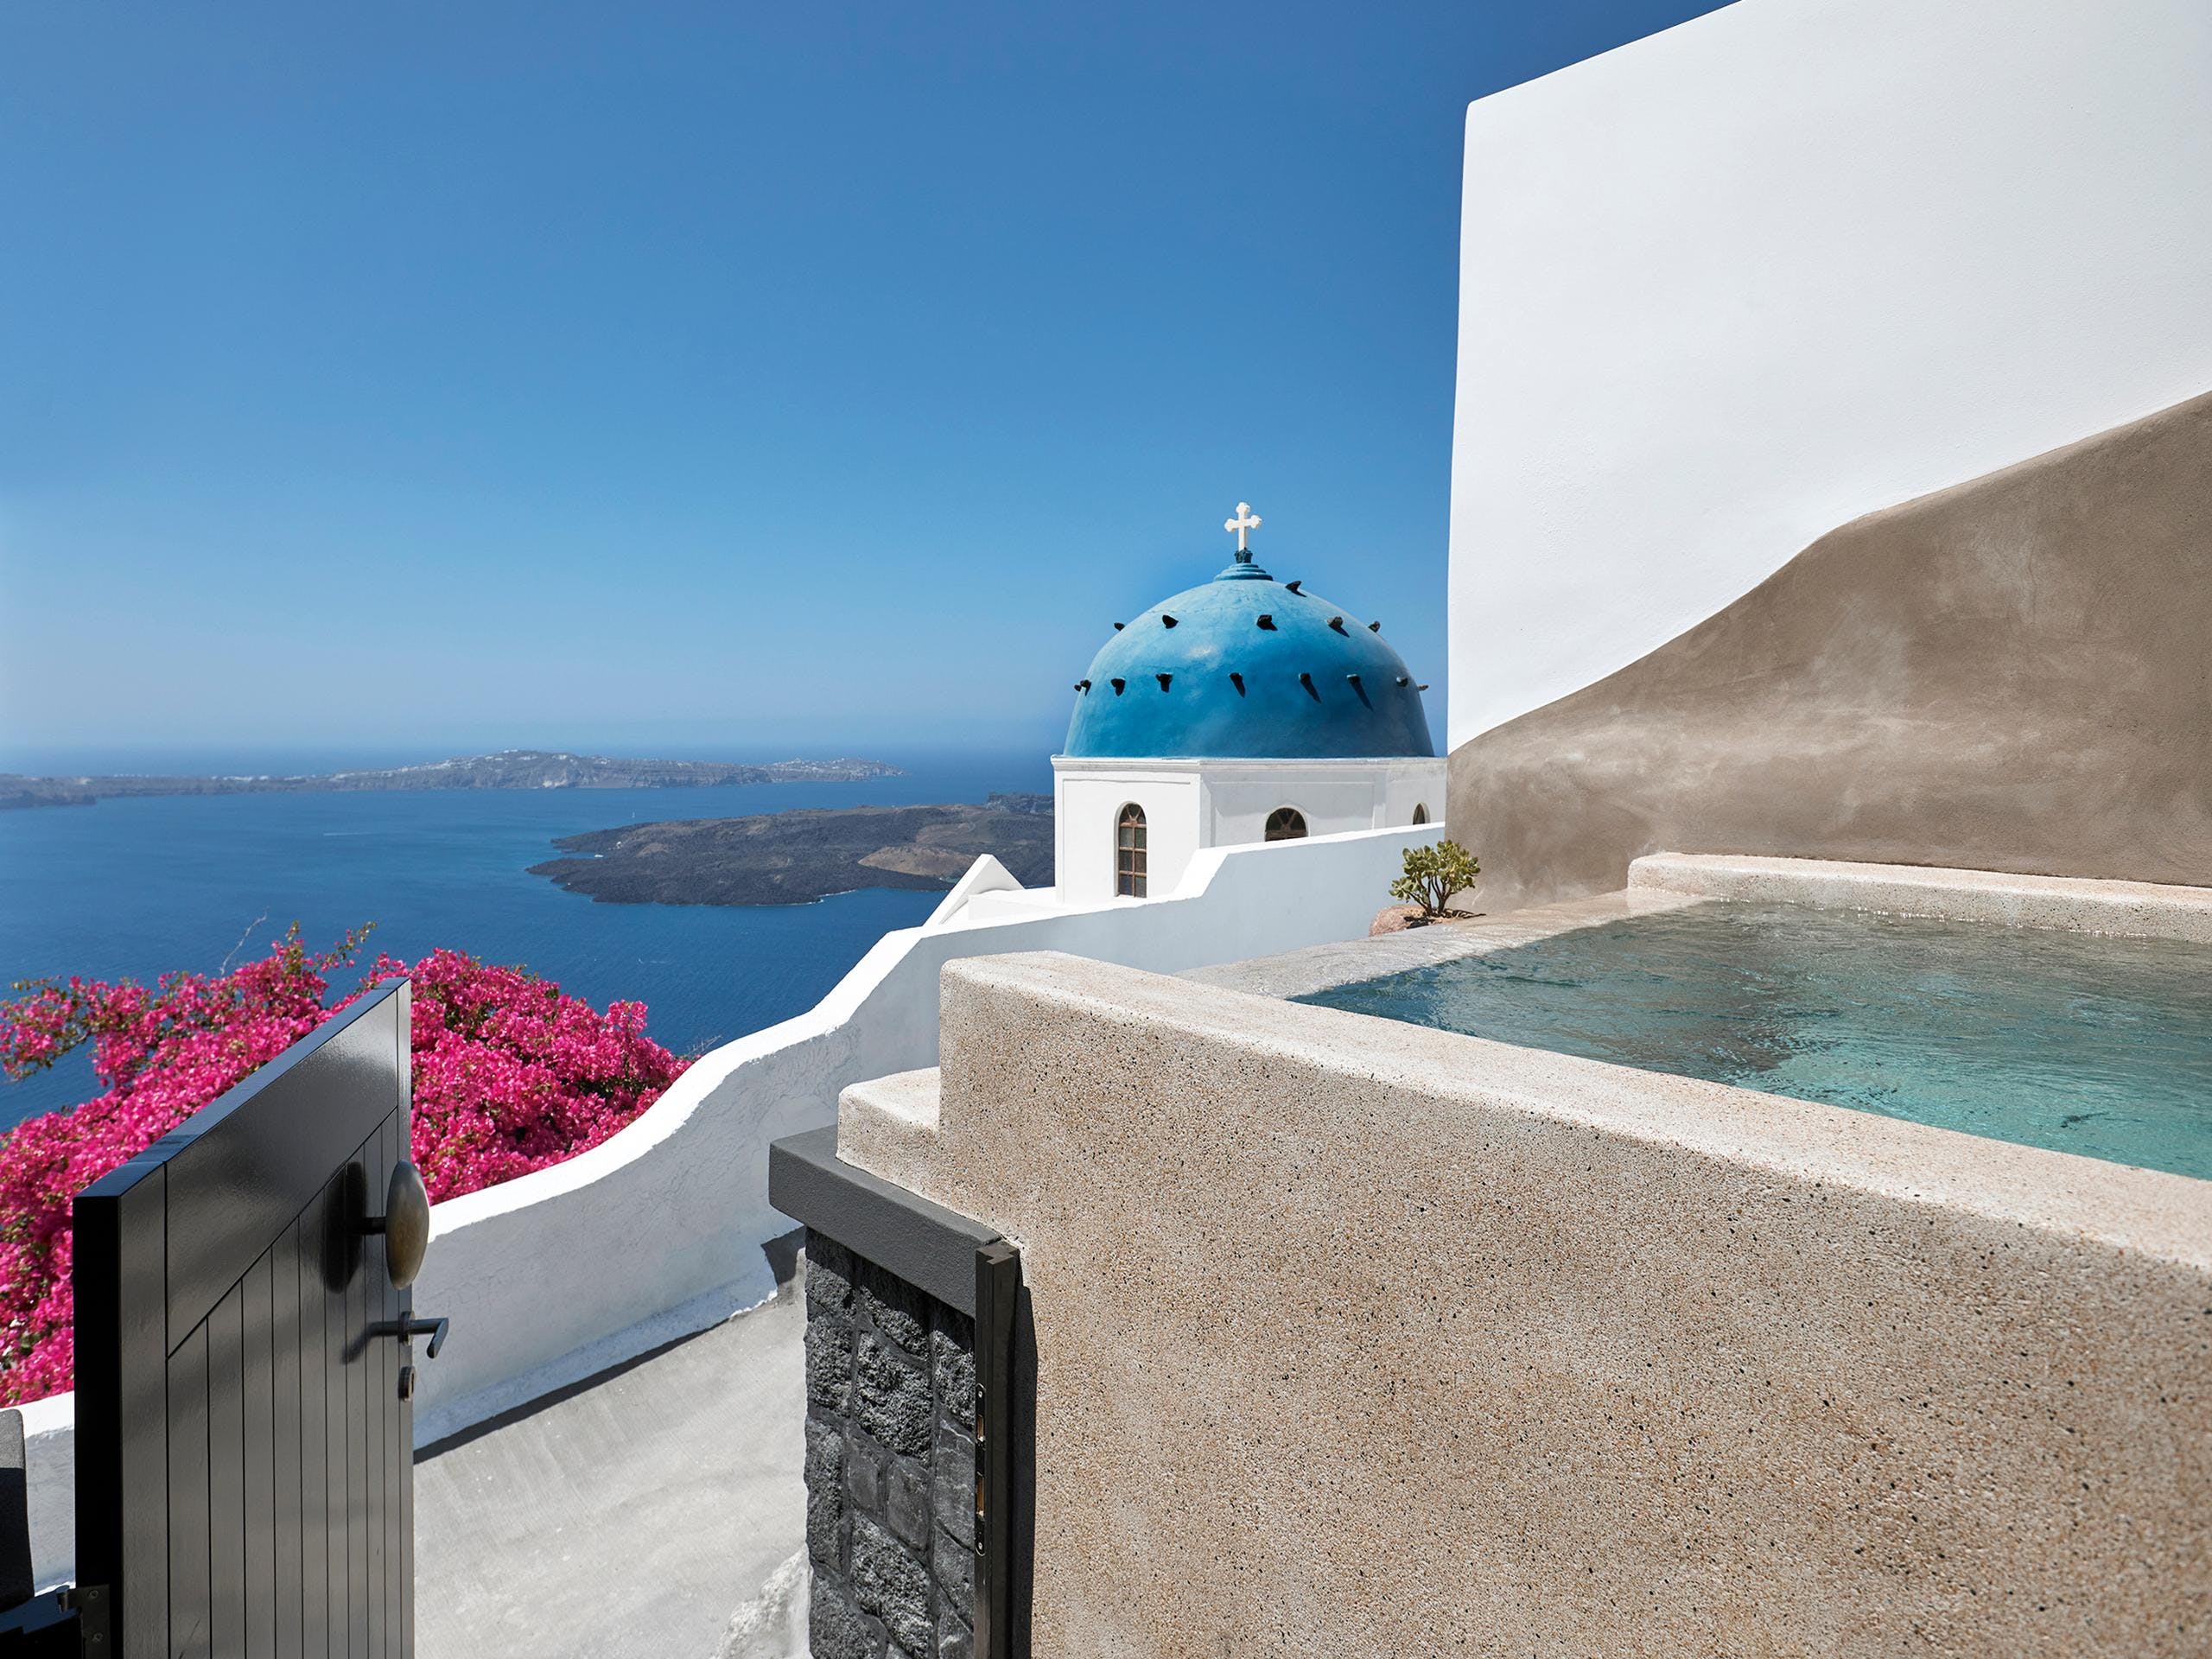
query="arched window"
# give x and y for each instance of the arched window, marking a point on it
(1286, 823)
(1129, 852)
(1420, 811)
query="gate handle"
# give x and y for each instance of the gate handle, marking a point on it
(407, 1330)
(405, 1224)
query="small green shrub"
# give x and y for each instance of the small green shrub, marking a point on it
(1433, 875)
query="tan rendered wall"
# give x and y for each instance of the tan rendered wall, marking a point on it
(1362, 1339)
(2014, 675)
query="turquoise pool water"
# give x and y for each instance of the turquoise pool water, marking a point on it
(2066, 1040)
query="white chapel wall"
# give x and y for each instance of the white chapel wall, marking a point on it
(1730, 286)
(1086, 806)
(1191, 804)
(1335, 795)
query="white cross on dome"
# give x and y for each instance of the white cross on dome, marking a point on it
(1242, 526)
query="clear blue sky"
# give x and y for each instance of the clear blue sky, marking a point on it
(410, 380)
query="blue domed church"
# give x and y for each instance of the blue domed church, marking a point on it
(1243, 709)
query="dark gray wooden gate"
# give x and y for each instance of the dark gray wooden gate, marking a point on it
(244, 1434)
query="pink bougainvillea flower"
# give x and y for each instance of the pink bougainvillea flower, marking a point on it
(510, 1076)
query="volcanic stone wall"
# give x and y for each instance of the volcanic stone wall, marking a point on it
(890, 1464)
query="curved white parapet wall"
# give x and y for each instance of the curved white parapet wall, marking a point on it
(658, 1233)
(50, 1487)
(1735, 284)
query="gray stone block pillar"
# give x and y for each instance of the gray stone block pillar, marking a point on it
(890, 1463)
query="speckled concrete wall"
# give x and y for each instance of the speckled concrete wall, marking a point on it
(1357, 1338)
(2010, 675)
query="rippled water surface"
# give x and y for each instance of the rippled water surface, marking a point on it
(2065, 1040)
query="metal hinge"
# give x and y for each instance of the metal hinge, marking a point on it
(90, 1602)
(40, 1625)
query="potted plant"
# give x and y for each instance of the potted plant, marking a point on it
(1433, 874)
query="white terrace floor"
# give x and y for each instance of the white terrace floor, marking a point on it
(657, 1512)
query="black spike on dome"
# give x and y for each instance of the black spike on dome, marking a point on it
(1338, 623)
(1118, 685)
(1237, 680)
(1118, 627)
(1405, 679)
(1163, 679)
(1354, 679)
(1374, 628)
(1166, 621)
(1292, 586)
(1267, 622)
(1083, 685)
(1420, 688)
(1305, 680)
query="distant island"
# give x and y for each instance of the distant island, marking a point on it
(509, 769)
(788, 858)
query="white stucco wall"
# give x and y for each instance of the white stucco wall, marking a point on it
(658, 1233)
(1732, 285)
(1086, 806)
(1190, 804)
(1335, 795)
(50, 1487)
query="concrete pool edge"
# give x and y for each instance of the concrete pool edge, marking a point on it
(1570, 1299)
(2136, 910)
(1325, 966)
(1660, 881)
(894, 1127)
(1673, 881)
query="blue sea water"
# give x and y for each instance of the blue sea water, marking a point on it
(139, 887)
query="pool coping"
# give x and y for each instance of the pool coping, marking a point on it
(1663, 881)
(1324, 967)
(895, 1127)
(2134, 910)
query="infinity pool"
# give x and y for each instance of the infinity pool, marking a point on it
(2066, 1040)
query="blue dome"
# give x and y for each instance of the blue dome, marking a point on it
(1244, 668)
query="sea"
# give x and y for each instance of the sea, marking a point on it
(138, 888)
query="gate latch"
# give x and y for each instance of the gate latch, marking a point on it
(407, 1330)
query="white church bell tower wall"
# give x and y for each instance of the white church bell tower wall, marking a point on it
(1190, 804)
(1330, 796)
(1086, 814)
